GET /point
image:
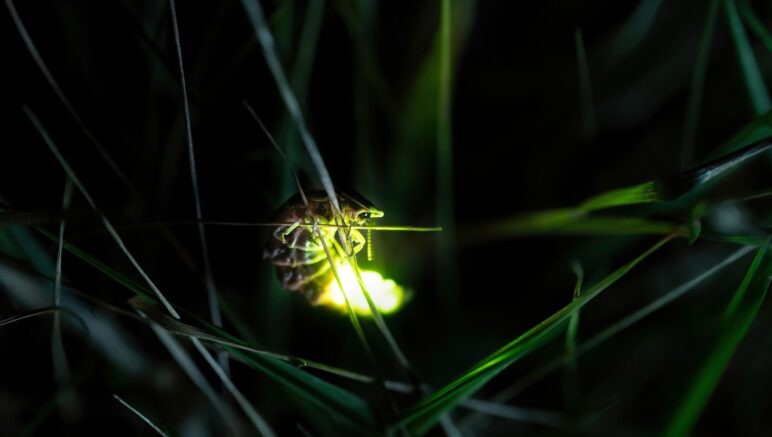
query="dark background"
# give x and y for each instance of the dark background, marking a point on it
(519, 144)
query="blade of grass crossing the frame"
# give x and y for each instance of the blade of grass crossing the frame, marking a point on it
(755, 24)
(697, 86)
(257, 420)
(66, 102)
(110, 229)
(194, 373)
(330, 398)
(589, 124)
(570, 383)
(257, 19)
(309, 386)
(211, 289)
(754, 80)
(61, 367)
(532, 377)
(422, 416)
(446, 242)
(144, 418)
(739, 316)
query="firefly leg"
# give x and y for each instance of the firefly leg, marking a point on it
(283, 235)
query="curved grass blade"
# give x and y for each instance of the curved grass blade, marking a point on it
(754, 80)
(144, 418)
(737, 320)
(110, 229)
(66, 102)
(422, 416)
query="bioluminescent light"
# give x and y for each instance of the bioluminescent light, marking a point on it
(387, 295)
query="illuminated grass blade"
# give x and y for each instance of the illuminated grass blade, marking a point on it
(697, 86)
(642, 193)
(256, 18)
(422, 416)
(66, 102)
(565, 222)
(144, 418)
(110, 229)
(754, 80)
(596, 340)
(737, 320)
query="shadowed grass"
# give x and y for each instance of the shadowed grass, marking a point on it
(697, 85)
(596, 340)
(110, 229)
(754, 80)
(735, 323)
(422, 416)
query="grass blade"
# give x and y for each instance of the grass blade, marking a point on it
(257, 420)
(529, 379)
(697, 85)
(256, 18)
(446, 243)
(738, 317)
(422, 416)
(756, 25)
(110, 229)
(211, 290)
(141, 416)
(61, 367)
(754, 81)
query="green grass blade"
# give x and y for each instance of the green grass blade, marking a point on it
(110, 229)
(756, 25)
(754, 81)
(446, 242)
(738, 318)
(422, 416)
(642, 193)
(697, 86)
(570, 381)
(564, 222)
(144, 418)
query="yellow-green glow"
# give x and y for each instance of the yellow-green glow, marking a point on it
(386, 294)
